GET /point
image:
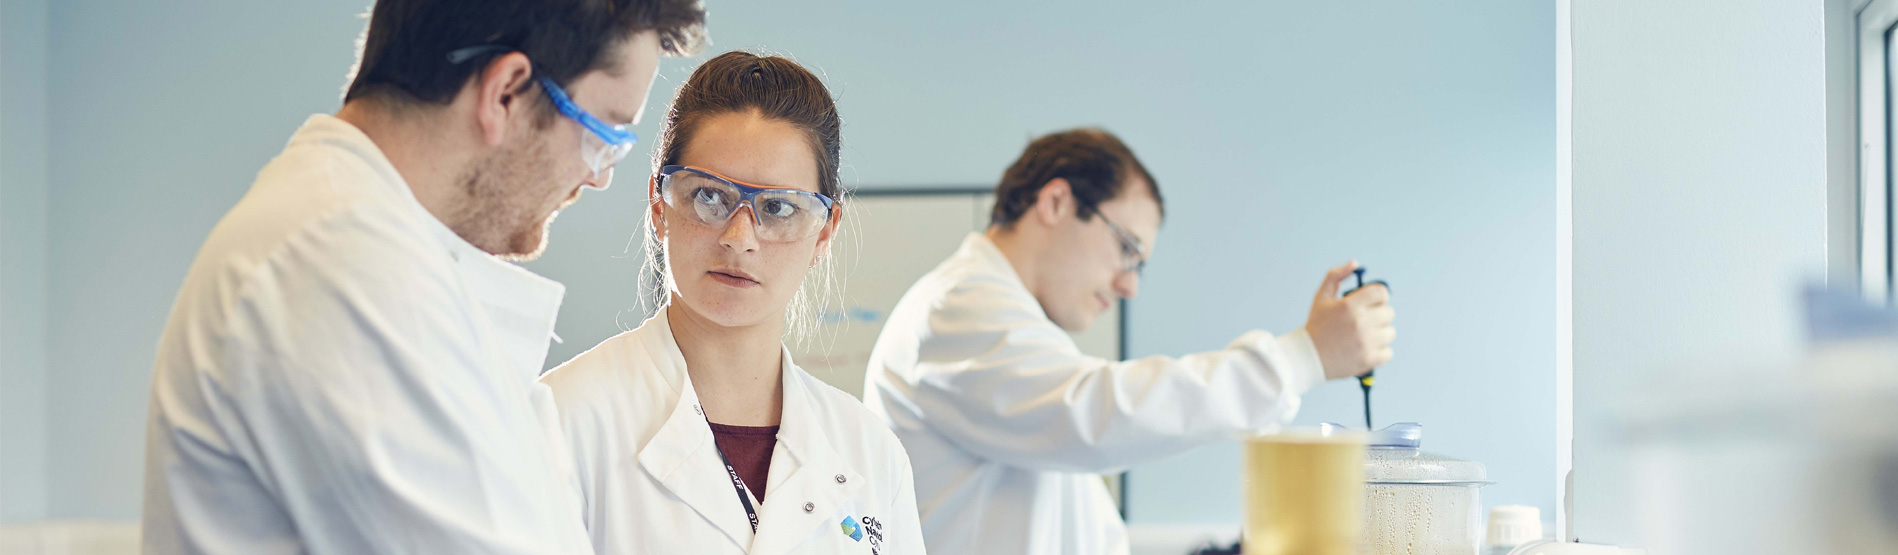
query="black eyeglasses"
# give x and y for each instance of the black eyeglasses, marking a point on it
(1133, 257)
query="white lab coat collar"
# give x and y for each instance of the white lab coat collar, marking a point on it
(988, 256)
(520, 305)
(683, 458)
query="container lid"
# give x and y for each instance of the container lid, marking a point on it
(1395, 456)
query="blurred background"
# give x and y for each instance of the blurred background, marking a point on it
(1584, 207)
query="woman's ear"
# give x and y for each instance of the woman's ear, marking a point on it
(828, 232)
(654, 213)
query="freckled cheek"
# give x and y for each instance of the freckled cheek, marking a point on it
(689, 245)
(786, 263)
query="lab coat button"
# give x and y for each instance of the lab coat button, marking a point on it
(840, 478)
(810, 507)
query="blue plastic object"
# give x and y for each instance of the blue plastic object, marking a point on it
(1402, 435)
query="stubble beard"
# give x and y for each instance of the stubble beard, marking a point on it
(508, 213)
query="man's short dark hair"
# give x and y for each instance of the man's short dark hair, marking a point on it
(1094, 162)
(404, 51)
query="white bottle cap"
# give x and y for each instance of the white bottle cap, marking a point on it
(1513, 525)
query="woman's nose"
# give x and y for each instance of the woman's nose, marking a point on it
(741, 230)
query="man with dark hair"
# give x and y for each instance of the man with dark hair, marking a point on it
(1008, 425)
(349, 367)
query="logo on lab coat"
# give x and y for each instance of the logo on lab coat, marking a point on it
(852, 529)
(875, 529)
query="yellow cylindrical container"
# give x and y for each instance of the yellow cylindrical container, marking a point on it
(1304, 493)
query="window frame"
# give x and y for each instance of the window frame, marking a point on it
(1876, 20)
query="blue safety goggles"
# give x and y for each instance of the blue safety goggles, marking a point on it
(601, 145)
(781, 214)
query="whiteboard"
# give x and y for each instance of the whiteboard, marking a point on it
(890, 239)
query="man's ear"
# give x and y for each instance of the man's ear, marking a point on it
(653, 214)
(501, 93)
(1054, 203)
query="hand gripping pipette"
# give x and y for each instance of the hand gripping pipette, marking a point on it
(1364, 381)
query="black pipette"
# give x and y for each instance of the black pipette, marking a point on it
(1364, 381)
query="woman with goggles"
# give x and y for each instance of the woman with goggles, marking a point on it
(696, 433)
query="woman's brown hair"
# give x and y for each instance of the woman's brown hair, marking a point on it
(776, 88)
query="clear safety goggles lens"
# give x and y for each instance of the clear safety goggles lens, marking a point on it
(600, 155)
(781, 216)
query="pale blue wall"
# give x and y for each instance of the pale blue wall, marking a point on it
(1415, 137)
(23, 189)
(1287, 136)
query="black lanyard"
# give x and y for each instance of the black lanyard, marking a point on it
(738, 483)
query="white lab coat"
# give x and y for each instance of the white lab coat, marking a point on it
(653, 483)
(1011, 425)
(342, 374)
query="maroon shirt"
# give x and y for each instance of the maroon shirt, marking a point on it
(749, 449)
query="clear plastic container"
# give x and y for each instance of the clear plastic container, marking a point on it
(1417, 502)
